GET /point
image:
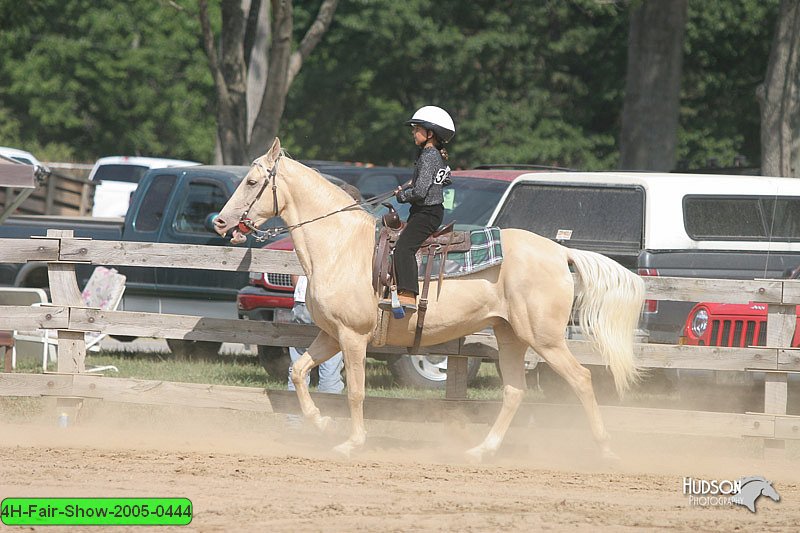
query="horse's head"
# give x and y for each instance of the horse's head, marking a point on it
(255, 199)
(769, 491)
(759, 485)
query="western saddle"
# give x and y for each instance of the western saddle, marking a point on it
(441, 242)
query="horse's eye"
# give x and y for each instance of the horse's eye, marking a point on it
(252, 182)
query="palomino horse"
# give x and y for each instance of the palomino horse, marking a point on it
(527, 299)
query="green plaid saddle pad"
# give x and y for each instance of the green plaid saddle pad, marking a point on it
(485, 252)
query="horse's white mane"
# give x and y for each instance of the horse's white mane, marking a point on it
(329, 194)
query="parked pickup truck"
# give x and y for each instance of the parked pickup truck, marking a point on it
(170, 205)
(677, 225)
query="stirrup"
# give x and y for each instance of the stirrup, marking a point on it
(397, 309)
(409, 308)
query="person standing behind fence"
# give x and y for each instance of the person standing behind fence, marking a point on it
(330, 372)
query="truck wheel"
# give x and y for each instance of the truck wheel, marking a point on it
(184, 350)
(426, 371)
(556, 389)
(276, 361)
(720, 390)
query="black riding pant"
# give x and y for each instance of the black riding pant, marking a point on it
(423, 220)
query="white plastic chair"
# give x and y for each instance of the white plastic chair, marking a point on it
(104, 290)
(23, 296)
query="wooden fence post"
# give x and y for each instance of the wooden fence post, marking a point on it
(781, 322)
(64, 291)
(457, 377)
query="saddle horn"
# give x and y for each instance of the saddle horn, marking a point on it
(391, 219)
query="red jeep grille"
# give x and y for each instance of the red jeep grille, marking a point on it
(279, 280)
(740, 333)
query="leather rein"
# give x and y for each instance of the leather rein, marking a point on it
(246, 225)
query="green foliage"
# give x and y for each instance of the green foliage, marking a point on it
(102, 78)
(526, 82)
(726, 50)
(514, 75)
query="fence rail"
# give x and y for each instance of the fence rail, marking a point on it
(68, 315)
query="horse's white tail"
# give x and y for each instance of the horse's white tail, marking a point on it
(609, 301)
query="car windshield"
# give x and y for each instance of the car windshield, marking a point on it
(124, 173)
(469, 202)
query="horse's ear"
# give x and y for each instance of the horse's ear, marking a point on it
(275, 150)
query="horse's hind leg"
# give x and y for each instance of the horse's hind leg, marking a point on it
(323, 348)
(579, 378)
(512, 367)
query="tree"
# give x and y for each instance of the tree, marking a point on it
(254, 69)
(726, 48)
(648, 139)
(83, 79)
(777, 96)
(526, 82)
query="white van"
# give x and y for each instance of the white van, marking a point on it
(118, 176)
(683, 225)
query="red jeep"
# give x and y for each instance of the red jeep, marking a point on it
(733, 325)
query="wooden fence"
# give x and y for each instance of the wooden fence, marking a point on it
(61, 194)
(61, 251)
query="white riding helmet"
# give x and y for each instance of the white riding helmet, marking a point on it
(436, 119)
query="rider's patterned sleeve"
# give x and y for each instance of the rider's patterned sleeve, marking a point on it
(427, 166)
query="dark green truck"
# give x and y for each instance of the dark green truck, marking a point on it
(170, 205)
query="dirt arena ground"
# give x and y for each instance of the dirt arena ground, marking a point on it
(250, 472)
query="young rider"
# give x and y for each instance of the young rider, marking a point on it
(432, 127)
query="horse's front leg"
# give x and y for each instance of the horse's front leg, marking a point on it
(322, 349)
(354, 349)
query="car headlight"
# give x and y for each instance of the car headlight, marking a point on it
(700, 322)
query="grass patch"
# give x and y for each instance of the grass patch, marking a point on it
(245, 371)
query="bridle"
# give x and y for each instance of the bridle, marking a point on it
(246, 226)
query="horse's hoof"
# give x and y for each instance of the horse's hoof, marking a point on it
(611, 458)
(324, 424)
(344, 449)
(474, 455)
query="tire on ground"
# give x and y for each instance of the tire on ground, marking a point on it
(426, 371)
(276, 361)
(556, 389)
(187, 350)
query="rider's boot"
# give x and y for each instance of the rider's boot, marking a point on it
(408, 300)
(405, 301)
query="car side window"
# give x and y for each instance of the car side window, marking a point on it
(151, 208)
(202, 199)
(751, 218)
(372, 185)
